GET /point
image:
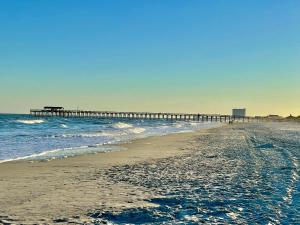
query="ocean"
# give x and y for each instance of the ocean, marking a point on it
(39, 138)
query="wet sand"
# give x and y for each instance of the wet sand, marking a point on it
(66, 190)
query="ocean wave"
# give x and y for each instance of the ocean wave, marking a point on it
(184, 131)
(31, 156)
(122, 125)
(92, 134)
(30, 121)
(163, 127)
(137, 130)
(63, 126)
(194, 123)
(59, 133)
(66, 152)
(98, 134)
(45, 153)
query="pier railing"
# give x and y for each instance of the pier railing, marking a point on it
(140, 115)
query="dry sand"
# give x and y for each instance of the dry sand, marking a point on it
(45, 192)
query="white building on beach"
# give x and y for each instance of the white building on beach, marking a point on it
(239, 112)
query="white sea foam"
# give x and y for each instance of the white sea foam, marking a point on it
(122, 125)
(137, 130)
(66, 152)
(178, 125)
(184, 131)
(107, 134)
(163, 126)
(98, 134)
(94, 134)
(30, 121)
(192, 218)
(31, 156)
(90, 135)
(232, 215)
(63, 126)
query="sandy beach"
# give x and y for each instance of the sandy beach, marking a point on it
(44, 192)
(240, 174)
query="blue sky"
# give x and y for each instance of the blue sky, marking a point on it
(183, 56)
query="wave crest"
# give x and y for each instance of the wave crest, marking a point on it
(137, 130)
(30, 121)
(122, 125)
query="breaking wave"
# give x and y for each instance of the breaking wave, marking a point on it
(30, 121)
(64, 152)
(122, 125)
(63, 126)
(137, 130)
(92, 134)
(32, 139)
(31, 156)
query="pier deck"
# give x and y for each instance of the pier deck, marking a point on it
(138, 115)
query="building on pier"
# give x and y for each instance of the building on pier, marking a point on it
(239, 112)
(53, 108)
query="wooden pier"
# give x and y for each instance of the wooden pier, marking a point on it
(61, 112)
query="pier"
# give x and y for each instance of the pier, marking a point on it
(49, 111)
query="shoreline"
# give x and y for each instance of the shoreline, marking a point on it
(105, 148)
(43, 191)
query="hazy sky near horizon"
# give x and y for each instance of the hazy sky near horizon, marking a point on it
(151, 55)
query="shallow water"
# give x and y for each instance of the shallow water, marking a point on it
(245, 175)
(27, 137)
